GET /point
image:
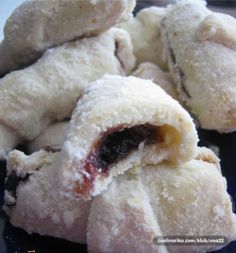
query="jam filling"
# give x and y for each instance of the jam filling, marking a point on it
(114, 145)
(117, 145)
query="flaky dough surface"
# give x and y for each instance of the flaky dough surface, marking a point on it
(37, 25)
(204, 69)
(32, 98)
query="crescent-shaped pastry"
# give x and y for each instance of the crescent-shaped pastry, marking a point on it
(51, 139)
(33, 202)
(188, 199)
(32, 98)
(200, 47)
(37, 25)
(163, 200)
(145, 32)
(148, 70)
(121, 122)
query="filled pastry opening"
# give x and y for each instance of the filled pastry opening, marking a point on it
(117, 143)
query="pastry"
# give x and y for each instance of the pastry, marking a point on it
(33, 202)
(148, 70)
(188, 199)
(122, 220)
(121, 122)
(145, 32)
(32, 98)
(219, 28)
(9, 138)
(201, 53)
(163, 200)
(51, 139)
(37, 25)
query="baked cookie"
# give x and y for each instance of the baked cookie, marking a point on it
(188, 199)
(32, 98)
(33, 202)
(51, 139)
(163, 200)
(37, 25)
(148, 70)
(145, 32)
(121, 122)
(201, 53)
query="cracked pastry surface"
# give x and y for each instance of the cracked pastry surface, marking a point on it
(134, 122)
(37, 25)
(145, 32)
(202, 61)
(190, 199)
(148, 70)
(32, 98)
(33, 202)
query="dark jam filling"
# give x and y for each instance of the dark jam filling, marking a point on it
(118, 145)
(114, 145)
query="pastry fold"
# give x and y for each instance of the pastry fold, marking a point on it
(32, 98)
(148, 70)
(33, 202)
(145, 32)
(163, 200)
(51, 138)
(121, 122)
(38, 25)
(200, 48)
(188, 199)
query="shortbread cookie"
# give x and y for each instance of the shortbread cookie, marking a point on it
(37, 25)
(145, 32)
(148, 70)
(51, 139)
(32, 98)
(201, 52)
(162, 200)
(121, 122)
(33, 202)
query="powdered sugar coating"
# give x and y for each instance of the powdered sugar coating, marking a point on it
(203, 70)
(36, 26)
(145, 32)
(51, 137)
(39, 206)
(113, 101)
(32, 98)
(148, 70)
(219, 28)
(189, 199)
(147, 201)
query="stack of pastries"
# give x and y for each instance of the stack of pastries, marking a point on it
(101, 101)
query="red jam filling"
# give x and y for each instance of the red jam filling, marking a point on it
(114, 145)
